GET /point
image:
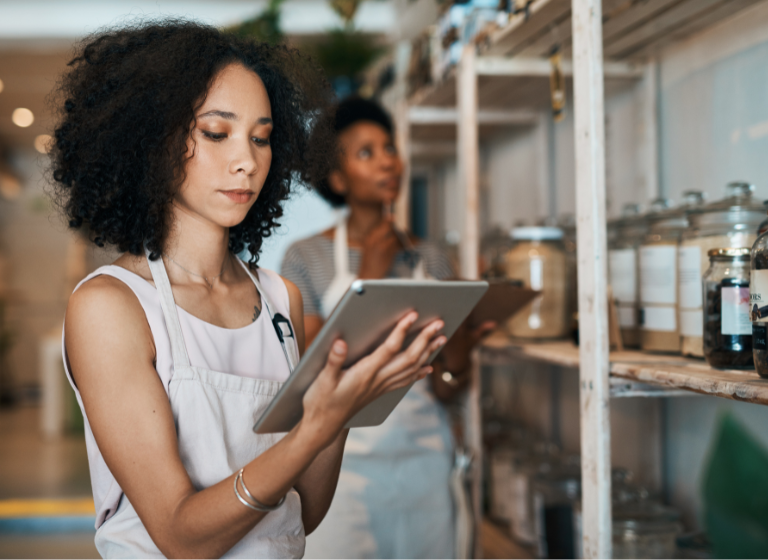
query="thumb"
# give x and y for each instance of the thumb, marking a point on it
(336, 358)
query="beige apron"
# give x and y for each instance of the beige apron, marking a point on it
(214, 413)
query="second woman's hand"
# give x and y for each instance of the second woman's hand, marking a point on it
(338, 394)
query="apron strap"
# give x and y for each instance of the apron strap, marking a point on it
(282, 324)
(341, 248)
(168, 305)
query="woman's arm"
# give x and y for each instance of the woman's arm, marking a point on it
(111, 353)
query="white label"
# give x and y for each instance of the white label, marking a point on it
(691, 322)
(623, 274)
(758, 296)
(735, 311)
(689, 275)
(662, 319)
(658, 274)
(627, 316)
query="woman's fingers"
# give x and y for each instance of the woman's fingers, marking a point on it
(336, 358)
(394, 342)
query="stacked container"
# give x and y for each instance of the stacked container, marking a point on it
(630, 230)
(658, 274)
(729, 223)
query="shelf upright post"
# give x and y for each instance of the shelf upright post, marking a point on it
(468, 155)
(593, 283)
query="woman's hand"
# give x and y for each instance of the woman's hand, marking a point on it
(337, 395)
(455, 360)
(379, 250)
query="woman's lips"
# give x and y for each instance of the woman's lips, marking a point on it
(239, 196)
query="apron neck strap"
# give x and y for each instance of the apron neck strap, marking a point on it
(168, 305)
(341, 248)
(282, 325)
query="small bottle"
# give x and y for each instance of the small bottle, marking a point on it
(727, 335)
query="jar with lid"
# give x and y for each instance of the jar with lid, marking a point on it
(763, 227)
(630, 230)
(538, 260)
(730, 222)
(727, 328)
(658, 274)
(556, 495)
(645, 529)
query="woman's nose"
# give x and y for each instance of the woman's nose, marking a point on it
(244, 161)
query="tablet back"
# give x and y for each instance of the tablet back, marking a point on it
(363, 319)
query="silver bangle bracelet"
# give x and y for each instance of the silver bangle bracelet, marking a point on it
(257, 506)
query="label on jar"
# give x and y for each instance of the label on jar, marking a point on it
(689, 275)
(661, 319)
(759, 336)
(622, 268)
(735, 311)
(758, 296)
(658, 274)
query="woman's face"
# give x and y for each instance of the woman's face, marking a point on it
(369, 168)
(230, 149)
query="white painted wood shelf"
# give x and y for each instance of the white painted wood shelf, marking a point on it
(635, 373)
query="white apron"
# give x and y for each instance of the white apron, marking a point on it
(214, 413)
(393, 499)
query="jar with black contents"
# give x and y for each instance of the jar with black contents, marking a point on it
(727, 326)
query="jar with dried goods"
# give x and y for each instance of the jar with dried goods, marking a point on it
(727, 328)
(730, 222)
(630, 230)
(539, 261)
(658, 275)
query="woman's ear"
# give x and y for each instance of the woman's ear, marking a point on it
(337, 183)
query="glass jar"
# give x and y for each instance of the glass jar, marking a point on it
(731, 222)
(727, 328)
(567, 223)
(645, 529)
(538, 260)
(763, 227)
(630, 229)
(758, 303)
(556, 497)
(658, 278)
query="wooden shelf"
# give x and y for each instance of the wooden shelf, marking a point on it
(639, 374)
(632, 29)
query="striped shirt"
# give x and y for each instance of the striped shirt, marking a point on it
(308, 263)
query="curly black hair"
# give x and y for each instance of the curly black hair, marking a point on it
(347, 112)
(126, 108)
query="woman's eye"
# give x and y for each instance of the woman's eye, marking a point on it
(365, 153)
(261, 141)
(215, 136)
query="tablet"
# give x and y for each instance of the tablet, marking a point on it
(364, 318)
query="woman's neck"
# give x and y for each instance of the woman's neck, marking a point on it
(197, 245)
(362, 219)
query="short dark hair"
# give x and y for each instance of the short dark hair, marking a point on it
(127, 106)
(349, 111)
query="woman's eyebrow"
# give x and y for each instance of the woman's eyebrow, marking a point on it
(223, 114)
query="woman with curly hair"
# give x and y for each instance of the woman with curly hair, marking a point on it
(177, 144)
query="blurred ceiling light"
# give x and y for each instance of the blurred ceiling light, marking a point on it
(10, 186)
(1, 86)
(22, 117)
(43, 143)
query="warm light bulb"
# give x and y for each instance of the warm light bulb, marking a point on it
(22, 117)
(43, 143)
(1, 86)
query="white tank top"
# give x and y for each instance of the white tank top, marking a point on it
(215, 378)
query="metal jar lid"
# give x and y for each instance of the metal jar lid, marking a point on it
(730, 253)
